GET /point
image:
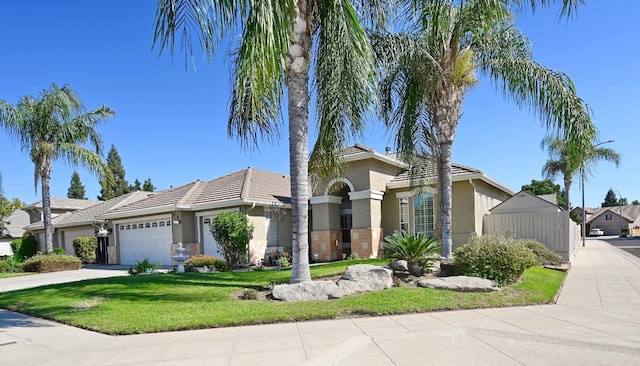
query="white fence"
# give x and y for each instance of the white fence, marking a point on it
(553, 229)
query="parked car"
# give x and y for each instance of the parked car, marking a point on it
(596, 232)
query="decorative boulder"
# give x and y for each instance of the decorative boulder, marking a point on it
(399, 265)
(306, 291)
(365, 278)
(459, 283)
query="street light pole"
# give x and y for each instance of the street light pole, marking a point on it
(584, 215)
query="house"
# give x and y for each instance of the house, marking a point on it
(32, 213)
(537, 218)
(348, 215)
(612, 220)
(374, 197)
(14, 224)
(82, 222)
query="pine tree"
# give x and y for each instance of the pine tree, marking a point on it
(148, 186)
(610, 200)
(136, 186)
(120, 186)
(76, 188)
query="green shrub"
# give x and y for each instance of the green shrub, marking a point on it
(10, 265)
(232, 231)
(419, 251)
(249, 294)
(201, 260)
(25, 247)
(497, 257)
(284, 261)
(543, 254)
(51, 263)
(143, 266)
(85, 248)
(59, 251)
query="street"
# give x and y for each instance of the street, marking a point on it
(630, 245)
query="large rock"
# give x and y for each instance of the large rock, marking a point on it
(399, 265)
(305, 291)
(459, 283)
(365, 278)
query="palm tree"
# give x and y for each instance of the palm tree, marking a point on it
(427, 68)
(561, 161)
(53, 127)
(278, 39)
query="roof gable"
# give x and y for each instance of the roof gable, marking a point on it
(522, 202)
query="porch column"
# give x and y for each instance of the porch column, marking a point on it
(326, 237)
(366, 234)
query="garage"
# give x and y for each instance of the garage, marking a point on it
(149, 238)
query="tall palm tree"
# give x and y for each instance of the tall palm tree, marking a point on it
(55, 126)
(274, 54)
(567, 161)
(430, 64)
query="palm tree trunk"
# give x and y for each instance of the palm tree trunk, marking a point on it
(297, 81)
(567, 188)
(444, 179)
(46, 207)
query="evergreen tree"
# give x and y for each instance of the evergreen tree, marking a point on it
(610, 200)
(148, 186)
(76, 188)
(120, 185)
(136, 186)
(635, 202)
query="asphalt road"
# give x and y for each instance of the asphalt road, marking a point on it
(631, 245)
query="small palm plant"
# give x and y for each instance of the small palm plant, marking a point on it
(417, 249)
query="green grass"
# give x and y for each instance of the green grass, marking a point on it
(164, 302)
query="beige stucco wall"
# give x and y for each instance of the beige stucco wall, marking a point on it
(463, 216)
(326, 216)
(67, 235)
(610, 227)
(390, 212)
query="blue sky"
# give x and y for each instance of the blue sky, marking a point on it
(171, 127)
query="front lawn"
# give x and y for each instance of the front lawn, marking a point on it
(164, 302)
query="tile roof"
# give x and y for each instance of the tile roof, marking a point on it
(551, 198)
(629, 212)
(15, 223)
(244, 186)
(63, 204)
(355, 149)
(428, 172)
(89, 214)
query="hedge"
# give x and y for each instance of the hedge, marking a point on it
(51, 263)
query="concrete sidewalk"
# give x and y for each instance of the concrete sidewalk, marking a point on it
(595, 322)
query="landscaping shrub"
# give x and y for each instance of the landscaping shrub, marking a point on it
(419, 251)
(143, 266)
(497, 257)
(59, 251)
(85, 248)
(249, 294)
(25, 247)
(51, 263)
(209, 261)
(10, 265)
(232, 231)
(543, 254)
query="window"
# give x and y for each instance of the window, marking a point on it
(168, 223)
(147, 225)
(154, 224)
(129, 227)
(207, 221)
(346, 223)
(480, 200)
(121, 227)
(608, 217)
(161, 223)
(404, 214)
(423, 214)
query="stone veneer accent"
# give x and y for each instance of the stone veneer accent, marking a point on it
(327, 245)
(191, 249)
(366, 243)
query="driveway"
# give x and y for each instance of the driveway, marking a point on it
(42, 279)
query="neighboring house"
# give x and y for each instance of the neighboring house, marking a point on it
(374, 197)
(535, 217)
(82, 222)
(14, 224)
(613, 219)
(58, 206)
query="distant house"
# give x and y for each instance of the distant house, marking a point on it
(613, 219)
(14, 224)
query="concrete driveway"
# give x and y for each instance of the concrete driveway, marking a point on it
(42, 279)
(596, 321)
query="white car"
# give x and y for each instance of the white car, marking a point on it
(596, 232)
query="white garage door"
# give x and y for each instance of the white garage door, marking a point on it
(210, 245)
(146, 239)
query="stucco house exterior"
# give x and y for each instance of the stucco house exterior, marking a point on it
(612, 219)
(351, 214)
(14, 224)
